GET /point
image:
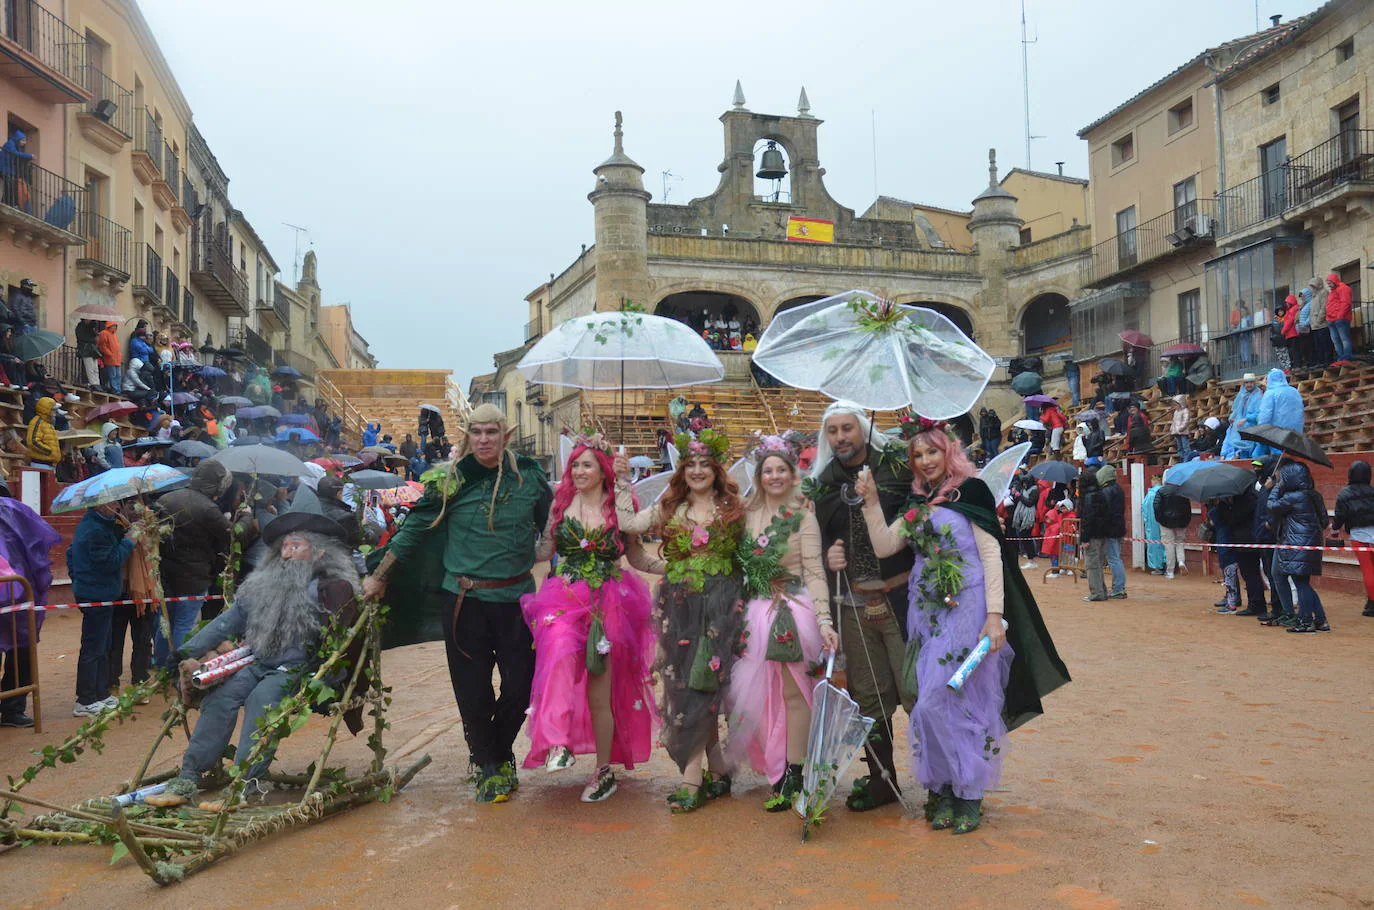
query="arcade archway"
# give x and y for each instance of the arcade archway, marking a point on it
(1045, 325)
(953, 313)
(711, 310)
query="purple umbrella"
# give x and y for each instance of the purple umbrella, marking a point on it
(295, 420)
(1186, 349)
(1039, 400)
(25, 540)
(184, 397)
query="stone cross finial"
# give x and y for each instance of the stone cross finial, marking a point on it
(619, 134)
(738, 100)
(992, 167)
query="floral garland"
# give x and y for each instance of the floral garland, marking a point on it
(695, 551)
(708, 442)
(891, 457)
(760, 557)
(942, 576)
(589, 555)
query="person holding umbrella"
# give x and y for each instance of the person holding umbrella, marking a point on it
(100, 547)
(1355, 516)
(1297, 513)
(964, 581)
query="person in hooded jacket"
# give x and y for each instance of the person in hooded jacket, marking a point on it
(41, 437)
(1236, 514)
(990, 431)
(1281, 406)
(1137, 431)
(1340, 308)
(87, 331)
(1297, 513)
(1174, 513)
(1355, 516)
(195, 553)
(107, 342)
(1115, 501)
(1265, 469)
(1094, 528)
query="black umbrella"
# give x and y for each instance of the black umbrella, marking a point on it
(1217, 483)
(1113, 366)
(1288, 441)
(1026, 383)
(1055, 472)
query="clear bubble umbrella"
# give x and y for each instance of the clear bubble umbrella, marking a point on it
(998, 472)
(880, 355)
(838, 731)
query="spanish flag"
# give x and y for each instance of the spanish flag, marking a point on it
(810, 230)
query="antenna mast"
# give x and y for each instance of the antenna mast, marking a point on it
(1025, 80)
(296, 257)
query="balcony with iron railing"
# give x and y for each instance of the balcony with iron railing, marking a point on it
(274, 312)
(106, 254)
(146, 280)
(39, 209)
(220, 283)
(1324, 175)
(167, 184)
(40, 53)
(533, 329)
(300, 362)
(257, 348)
(148, 143)
(188, 308)
(1187, 227)
(172, 294)
(108, 118)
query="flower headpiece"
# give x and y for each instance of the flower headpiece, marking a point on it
(708, 442)
(763, 446)
(592, 440)
(910, 424)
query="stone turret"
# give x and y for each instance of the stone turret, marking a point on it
(622, 229)
(995, 224)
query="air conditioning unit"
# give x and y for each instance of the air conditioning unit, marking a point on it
(105, 110)
(1180, 237)
(1202, 225)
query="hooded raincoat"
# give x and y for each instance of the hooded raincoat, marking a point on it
(1281, 406)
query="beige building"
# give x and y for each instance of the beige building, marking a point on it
(1299, 162)
(735, 254)
(345, 342)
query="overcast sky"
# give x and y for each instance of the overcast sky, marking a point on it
(440, 152)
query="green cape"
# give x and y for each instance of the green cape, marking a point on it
(1036, 670)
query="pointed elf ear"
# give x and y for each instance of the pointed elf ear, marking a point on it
(510, 433)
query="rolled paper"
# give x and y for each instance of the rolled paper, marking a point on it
(204, 679)
(225, 658)
(129, 799)
(975, 657)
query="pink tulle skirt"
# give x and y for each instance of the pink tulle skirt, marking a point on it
(757, 712)
(560, 616)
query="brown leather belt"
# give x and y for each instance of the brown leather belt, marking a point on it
(466, 584)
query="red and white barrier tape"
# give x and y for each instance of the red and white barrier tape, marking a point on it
(19, 608)
(1212, 546)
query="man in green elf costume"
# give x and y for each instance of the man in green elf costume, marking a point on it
(461, 560)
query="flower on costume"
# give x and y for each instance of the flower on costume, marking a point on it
(763, 540)
(910, 515)
(585, 544)
(700, 537)
(603, 646)
(714, 664)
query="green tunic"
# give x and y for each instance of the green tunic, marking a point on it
(429, 557)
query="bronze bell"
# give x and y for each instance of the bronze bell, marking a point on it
(773, 166)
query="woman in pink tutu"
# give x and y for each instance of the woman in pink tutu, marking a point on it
(592, 639)
(788, 624)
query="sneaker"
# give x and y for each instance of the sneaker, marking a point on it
(111, 701)
(1303, 628)
(601, 787)
(1225, 610)
(1088, 600)
(1249, 611)
(1322, 627)
(1118, 595)
(559, 759)
(94, 709)
(1220, 603)
(1158, 572)
(16, 720)
(1169, 575)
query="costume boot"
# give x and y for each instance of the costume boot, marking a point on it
(873, 791)
(1368, 608)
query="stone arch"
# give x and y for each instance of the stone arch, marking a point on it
(1044, 324)
(766, 190)
(957, 313)
(692, 306)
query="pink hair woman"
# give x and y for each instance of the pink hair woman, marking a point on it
(787, 625)
(592, 636)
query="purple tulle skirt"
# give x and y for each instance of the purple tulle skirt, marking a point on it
(560, 615)
(758, 714)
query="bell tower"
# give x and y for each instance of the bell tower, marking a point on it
(622, 229)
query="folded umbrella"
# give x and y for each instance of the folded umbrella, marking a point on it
(1290, 442)
(1217, 482)
(1055, 472)
(838, 731)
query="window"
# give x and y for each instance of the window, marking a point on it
(1181, 116)
(496, 398)
(1125, 237)
(157, 240)
(1345, 50)
(138, 223)
(1185, 201)
(1270, 94)
(1190, 315)
(1123, 149)
(1025, 236)
(1347, 118)
(1273, 167)
(96, 194)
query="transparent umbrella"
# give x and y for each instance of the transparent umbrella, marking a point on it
(880, 355)
(838, 731)
(998, 472)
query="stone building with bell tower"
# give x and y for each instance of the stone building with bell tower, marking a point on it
(770, 236)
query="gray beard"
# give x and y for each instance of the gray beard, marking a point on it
(281, 613)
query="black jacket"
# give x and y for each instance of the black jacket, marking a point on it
(1171, 509)
(1355, 503)
(1094, 441)
(989, 426)
(1297, 512)
(1237, 514)
(86, 332)
(894, 489)
(1092, 511)
(195, 553)
(1115, 502)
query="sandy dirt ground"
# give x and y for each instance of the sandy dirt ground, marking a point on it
(1196, 760)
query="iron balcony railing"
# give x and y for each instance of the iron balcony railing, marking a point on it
(1347, 157)
(44, 35)
(110, 101)
(106, 243)
(304, 364)
(42, 194)
(171, 170)
(172, 299)
(277, 304)
(189, 200)
(213, 258)
(147, 274)
(533, 329)
(65, 366)
(1186, 226)
(148, 136)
